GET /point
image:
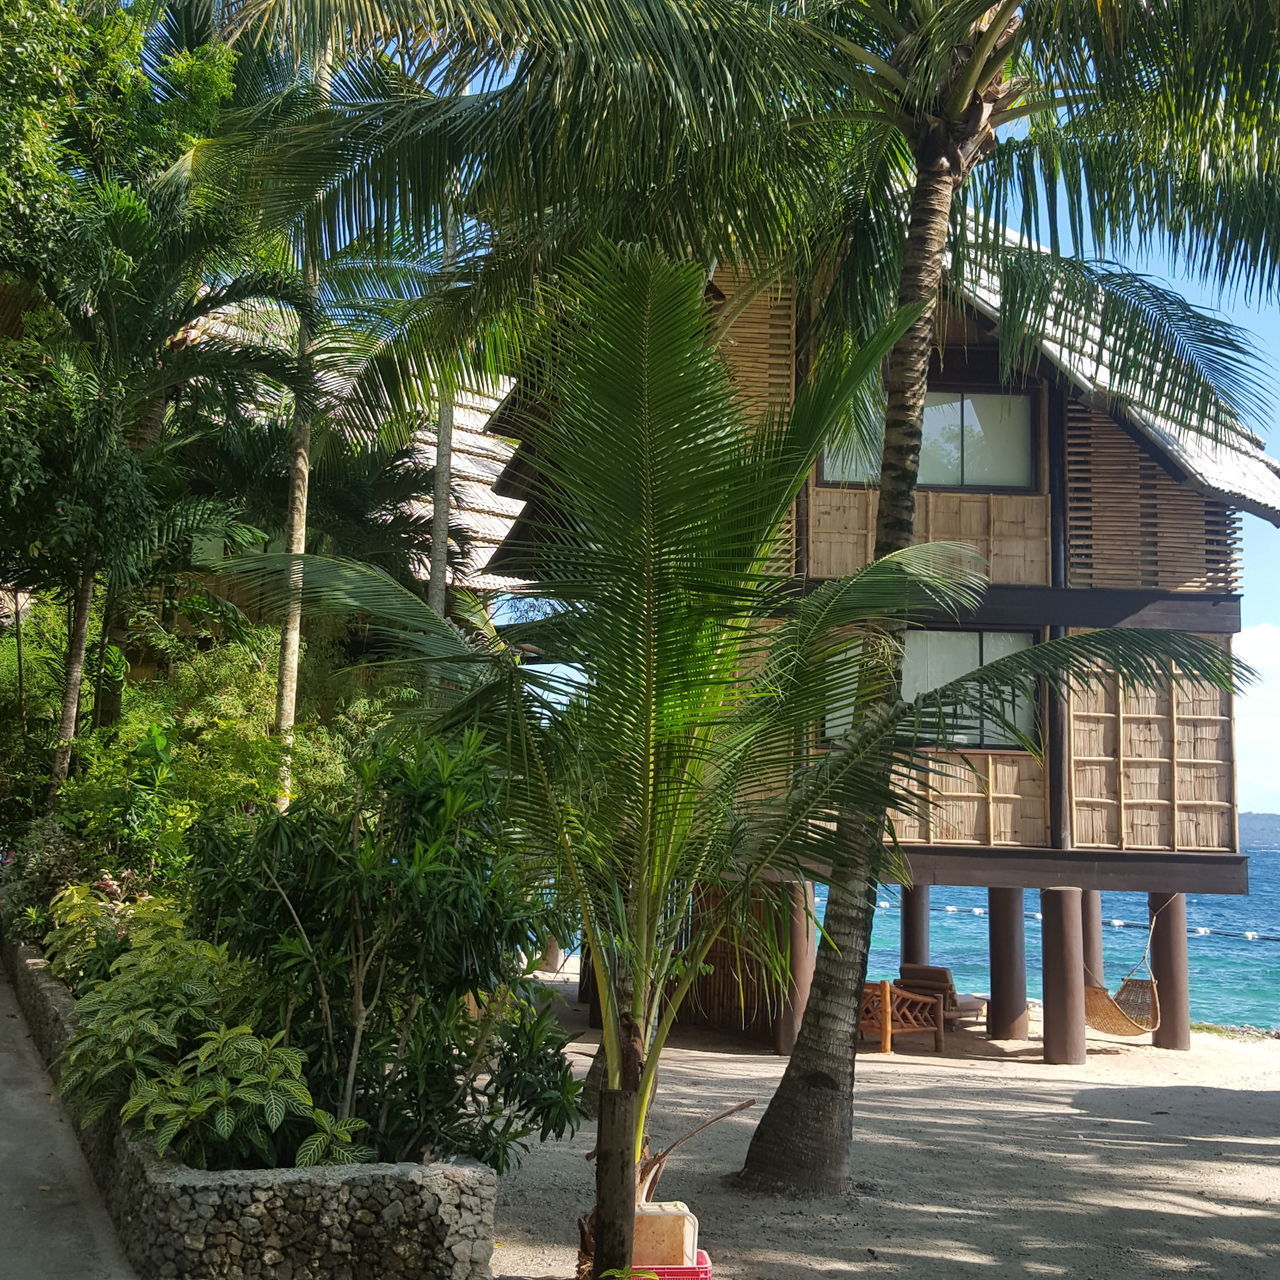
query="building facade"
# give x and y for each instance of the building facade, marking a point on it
(1086, 519)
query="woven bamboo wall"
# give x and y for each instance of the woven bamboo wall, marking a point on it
(985, 798)
(1152, 768)
(1131, 524)
(760, 341)
(1011, 531)
(738, 994)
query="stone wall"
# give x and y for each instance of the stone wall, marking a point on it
(349, 1222)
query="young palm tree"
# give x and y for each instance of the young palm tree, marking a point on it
(680, 767)
(144, 315)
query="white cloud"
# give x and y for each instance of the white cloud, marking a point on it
(1258, 720)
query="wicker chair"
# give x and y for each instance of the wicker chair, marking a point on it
(889, 1011)
(934, 980)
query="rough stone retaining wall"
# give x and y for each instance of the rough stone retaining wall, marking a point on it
(351, 1222)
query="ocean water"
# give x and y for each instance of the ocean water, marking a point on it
(1235, 980)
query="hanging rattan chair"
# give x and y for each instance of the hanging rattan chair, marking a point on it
(1134, 1010)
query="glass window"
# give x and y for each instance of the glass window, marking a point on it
(997, 441)
(942, 439)
(981, 440)
(934, 658)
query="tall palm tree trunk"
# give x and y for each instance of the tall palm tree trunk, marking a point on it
(21, 660)
(437, 580)
(296, 514)
(295, 545)
(804, 1141)
(108, 697)
(77, 644)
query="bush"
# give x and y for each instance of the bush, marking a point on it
(94, 925)
(158, 1002)
(166, 1041)
(394, 932)
(44, 861)
(227, 1104)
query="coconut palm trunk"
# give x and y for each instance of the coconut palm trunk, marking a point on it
(296, 515)
(295, 545)
(804, 1141)
(77, 644)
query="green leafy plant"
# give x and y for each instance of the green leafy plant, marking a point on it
(45, 859)
(395, 932)
(230, 1101)
(95, 924)
(333, 1142)
(160, 999)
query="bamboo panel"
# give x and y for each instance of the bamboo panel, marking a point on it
(1010, 531)
(760, 342)
(1152, 768)
(1131, 524)
(736, 993)
(990, 798)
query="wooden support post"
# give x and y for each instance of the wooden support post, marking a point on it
(1006, 932)
(615, 1215)
(1063, 968)
(1091, 924)
(803, 940)
(1169, 968)
(915, 925)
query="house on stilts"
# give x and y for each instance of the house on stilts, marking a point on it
(1088, 517)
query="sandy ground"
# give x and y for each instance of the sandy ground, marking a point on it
(984, 1162)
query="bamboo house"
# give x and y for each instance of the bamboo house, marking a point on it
(1087, 518)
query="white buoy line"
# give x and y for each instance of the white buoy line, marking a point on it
(1199, 931)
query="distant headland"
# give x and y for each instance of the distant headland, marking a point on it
(1259, 828)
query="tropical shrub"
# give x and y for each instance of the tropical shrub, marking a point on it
(153, 1009)
(229, 1103)
(43, 861)
(395, 932)
(94, 925)
(165, 1039)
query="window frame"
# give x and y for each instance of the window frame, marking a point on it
(1033, 390)
(1038, 710)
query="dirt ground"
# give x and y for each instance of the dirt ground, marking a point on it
(983, 1162)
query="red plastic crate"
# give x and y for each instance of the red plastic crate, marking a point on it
(701, 1270)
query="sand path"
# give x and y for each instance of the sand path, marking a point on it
(985, 1162)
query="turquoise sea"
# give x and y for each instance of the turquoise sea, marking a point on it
(1235, 979)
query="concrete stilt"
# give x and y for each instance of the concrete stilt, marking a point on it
(1169, 967)
(1091, 923)
(915, 925)
(1006, 931)
(1063, 963)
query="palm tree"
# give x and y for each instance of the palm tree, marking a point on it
(678, 771)
(1091, 120)
(144, 317)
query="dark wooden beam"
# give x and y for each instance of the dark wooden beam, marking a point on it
(1021, 868)
(1006, 934)
(1004, 606)
(1091, 924)
(1169, 969)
